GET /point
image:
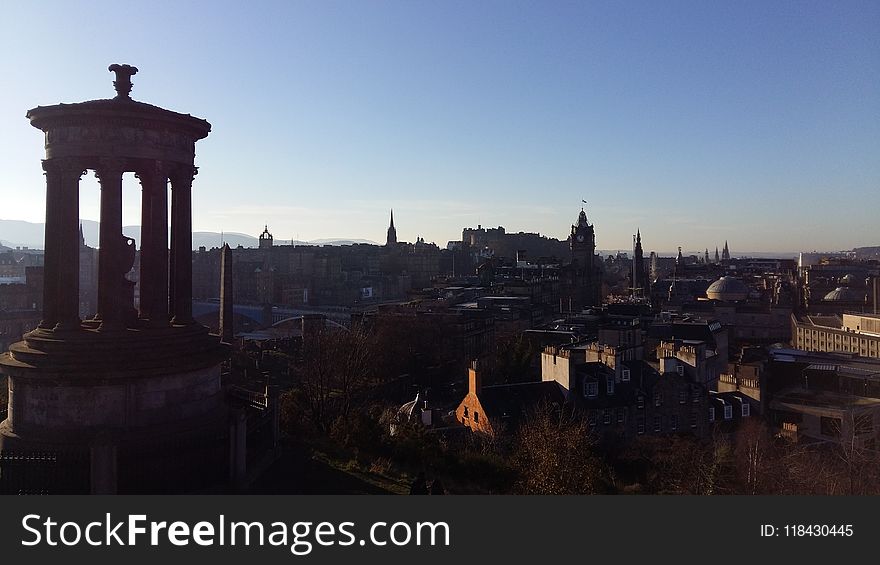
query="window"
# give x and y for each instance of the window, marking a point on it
(476, 416)
(711, 413)
(624, 375)
(682, 396)
(609, 385)
(606, 416)
(693, 419)
(591, 417)
(640, 402)
(674, 423)
(658, 398)
(591, 389)
(829, 426)
(695, 394)
(728, 411)
(656, 423)
(640, 425)
(745, 409)
(680, 368)
(621, 413)
(465, 411)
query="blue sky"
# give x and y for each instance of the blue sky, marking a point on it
(754, 122)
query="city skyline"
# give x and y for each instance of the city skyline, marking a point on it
(695, 124)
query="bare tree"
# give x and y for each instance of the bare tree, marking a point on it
(336, 369)
(757, 459)
(554, 454)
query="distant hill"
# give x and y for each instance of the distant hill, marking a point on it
(868, 252)
(18, 233)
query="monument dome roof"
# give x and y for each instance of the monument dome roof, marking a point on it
(728, 289)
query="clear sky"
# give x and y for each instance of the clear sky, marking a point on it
(755, 122)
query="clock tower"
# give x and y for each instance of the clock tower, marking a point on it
(583, 242)
(583, 262)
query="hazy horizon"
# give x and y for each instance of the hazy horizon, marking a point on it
(201, 237)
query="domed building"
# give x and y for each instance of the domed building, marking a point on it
(844, 294)
(727, 289)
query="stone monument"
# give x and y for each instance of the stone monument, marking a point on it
(145, 382)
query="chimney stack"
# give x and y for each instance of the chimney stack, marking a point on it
(475, 379)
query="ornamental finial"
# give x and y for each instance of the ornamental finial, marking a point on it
(123, 83)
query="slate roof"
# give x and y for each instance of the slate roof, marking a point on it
(511, 402)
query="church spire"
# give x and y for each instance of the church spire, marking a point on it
(391, 238)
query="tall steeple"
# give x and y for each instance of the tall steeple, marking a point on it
(638, 276)
(725, 254)
(717, 259)
(391, 239)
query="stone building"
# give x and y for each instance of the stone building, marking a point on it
(21, 306)
(851, 333)
(311, 275)
(825, 397)
(624, 396)
(835, 284)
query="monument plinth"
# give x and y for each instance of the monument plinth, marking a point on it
(136, 378)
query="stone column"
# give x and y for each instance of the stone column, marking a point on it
(145, 175)
(110, 258)
(61, 261)
(154, 244)
(181, 244)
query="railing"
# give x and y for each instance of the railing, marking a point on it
(789, 431)
(746, 382)
(253, 399)
(44, 472)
